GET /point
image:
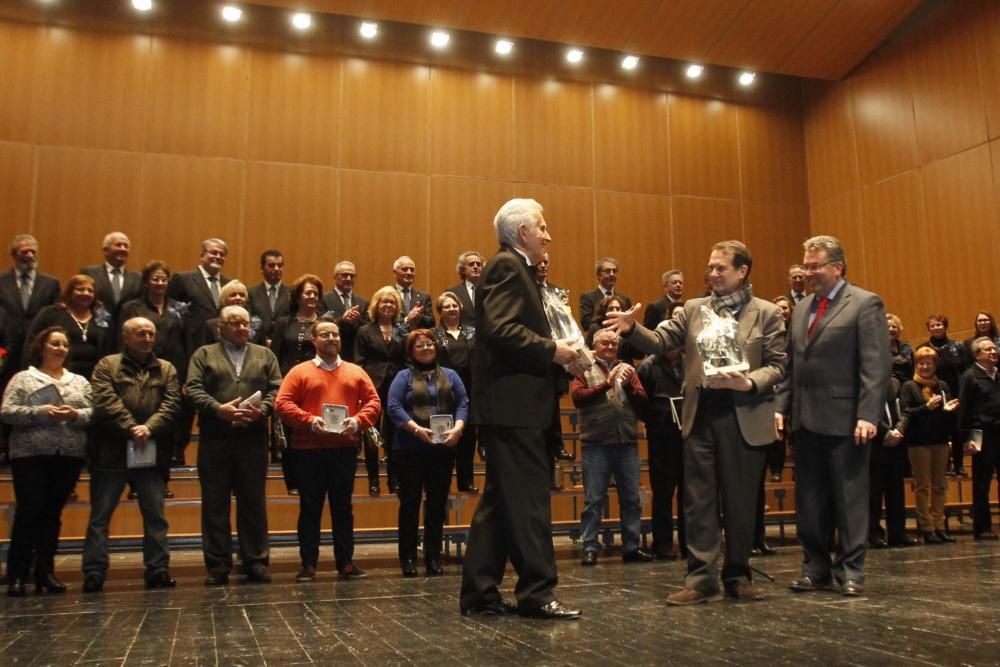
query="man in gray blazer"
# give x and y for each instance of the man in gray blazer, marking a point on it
(115, 283)
(727, 421)
(833, 395)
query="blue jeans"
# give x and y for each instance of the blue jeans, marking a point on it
(106, 489)
(600, 462)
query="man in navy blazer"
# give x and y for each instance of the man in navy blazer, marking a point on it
(116, 247)
(418, 309)
(269, 299)
(607, 277)
(24, 291)
(350, 309)
(470, 268)
(832, 399)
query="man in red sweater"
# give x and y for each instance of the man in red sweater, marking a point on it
(326, 453)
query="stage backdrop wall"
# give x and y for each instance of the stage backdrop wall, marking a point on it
(904, 166)
(174, 141)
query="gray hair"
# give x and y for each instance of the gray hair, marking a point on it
(604, 260)
(512, 215)
(834, 251)
(604, 333)
(795, 267)
(399, 260)
(977, 344)
(343, 264)
(228, 311)
(460, 266)
(109, 238)
(218, 242)
(21, 238)
(667, 275)
(134, 322)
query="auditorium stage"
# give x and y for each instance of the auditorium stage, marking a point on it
(936, 605)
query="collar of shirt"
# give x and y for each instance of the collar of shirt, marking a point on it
(318, 360)
(341, 295)
(400, 288)
(268, 286)
(523, 255)
(469, 287)
(208, 276)
(836, 290)
(108, 269)
(993, 375)
(604, 291)
(607, 365)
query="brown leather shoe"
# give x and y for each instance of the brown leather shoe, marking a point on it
(689, 596)
(744, 592)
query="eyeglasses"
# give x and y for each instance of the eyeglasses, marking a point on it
(237, 323)
(423, 346)
(813, 268)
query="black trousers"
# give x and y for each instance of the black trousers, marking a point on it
(776, 456)
(666, 477)
(512, 521)
(42, 485)
(831, 492)
(423, 471)
(465, 452)
(886, 480)
(326, 475)
(984, 465)
(718, 463)
(225, 468)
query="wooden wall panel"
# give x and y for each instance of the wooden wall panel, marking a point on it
(187, 199)
(841, 217)
(461, 218)
(635, 229)
(22, 50)
(384, 116)
(883, 118)
(17, 167)
(947, 98)
(899, 248)
(987, 27)
(703, 148)
(198, 96)
(774, 233)
(698, 224)
(961, 216)
(631, 144)
(554, 132)
(831, 158)
(383, 216)
(472, 124)
(83, 195)
(772, 158)
(95, 92)
(294, 103)
(292, 208)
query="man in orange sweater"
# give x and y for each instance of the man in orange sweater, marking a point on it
(326, 453)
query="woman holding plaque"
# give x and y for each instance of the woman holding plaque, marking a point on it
(454, 343)
(429, 407)
(50, 409)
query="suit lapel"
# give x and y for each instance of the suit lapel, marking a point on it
(747, 320)
(202, 287)
(832, 311)
(8, 283)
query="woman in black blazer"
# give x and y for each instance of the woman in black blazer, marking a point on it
(379, 349)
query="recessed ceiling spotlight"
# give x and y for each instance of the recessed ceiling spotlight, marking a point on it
(142, 5)
(302, 21)
(368, 29)
(747, 78)
(504, 47)
(231, 13)
(630, 62)
(695, 71)
(574, 55)
(440, 39)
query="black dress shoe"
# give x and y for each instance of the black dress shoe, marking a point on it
(588, 558)
(666, 555)
(217, 580)
(432, 567)
(409, 568)
(931, 538)
(903, 542)
(132, 494)
(563, 455)
(944, 537)
(638, 556)
(808, 584)
(374, 491)
(852, 589)
(468, 489)
(351, 571)
(393, 486)
(167, 493)
(763, 549)
(15, 588)
(93, 583)
(499, 607)
(554, 610)
(47, 584)
(161, 579)
(878, 543)
(258, 573)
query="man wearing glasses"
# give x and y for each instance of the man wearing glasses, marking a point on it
(232, 385)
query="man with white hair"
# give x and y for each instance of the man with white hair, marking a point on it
(470, 268)
(417, 309)
(513, 394)
(232, 384)
(115, 283)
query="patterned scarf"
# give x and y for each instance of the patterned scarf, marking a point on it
(930, 385)
(732, 302)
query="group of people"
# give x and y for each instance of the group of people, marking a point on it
(116, 366)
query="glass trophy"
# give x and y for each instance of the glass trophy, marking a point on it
(720, 350)
(564, 327)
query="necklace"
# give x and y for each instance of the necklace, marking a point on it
(82, 325)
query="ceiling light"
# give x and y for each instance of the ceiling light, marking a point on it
(746, 78)
(440, 39)
(695, 71)
(368, 29)
(630, 62)
(504, 46)
(142, 5)
(301, 20)
(574, 55)
(231, 13)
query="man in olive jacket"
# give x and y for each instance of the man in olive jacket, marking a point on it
(136, 402)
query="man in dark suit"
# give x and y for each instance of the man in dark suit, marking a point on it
(469, 267)
(24, 291)
(796, 284)
(831, 400)
(232, 450)
(727, 421)
(269, 298)
(350, 309)
(418, 311)
(607, 276)
(513, 393)
(673, 292)
(115, 283)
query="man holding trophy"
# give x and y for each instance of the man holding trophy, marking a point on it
(734, 344)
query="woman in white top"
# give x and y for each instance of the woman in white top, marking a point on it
(50, 409)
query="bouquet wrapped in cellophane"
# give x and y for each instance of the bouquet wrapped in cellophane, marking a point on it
(556, 303)
(720, 351)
